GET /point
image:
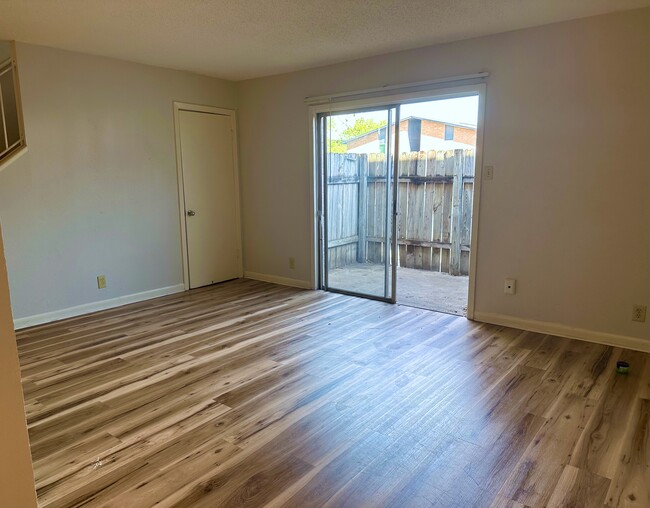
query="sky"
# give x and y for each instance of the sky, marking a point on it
(463, 110)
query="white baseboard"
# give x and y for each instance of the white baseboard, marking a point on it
(87, 308)
(609, 339)
(284, 281)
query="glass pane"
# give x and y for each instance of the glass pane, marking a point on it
(358, 159)
(436, 188)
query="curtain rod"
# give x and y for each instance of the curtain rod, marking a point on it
(326, 98)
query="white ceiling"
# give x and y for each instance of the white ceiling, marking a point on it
(240, 39)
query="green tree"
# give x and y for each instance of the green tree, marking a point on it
(337, 146)
(359, 127)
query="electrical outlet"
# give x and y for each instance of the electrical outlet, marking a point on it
(638, 313)
(101, 282)
(510, 286)
(292, 263)
(489, 172)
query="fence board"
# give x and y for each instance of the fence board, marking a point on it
(435, 193)
(466, 223)
(362, 254)
(447, 200)
(457, 212)
(342, 209)
(421, 169)
(415, 211)
(435, 260)
(444, 260)
(372, 204)
(402, 198)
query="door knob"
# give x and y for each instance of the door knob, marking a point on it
(191, 213)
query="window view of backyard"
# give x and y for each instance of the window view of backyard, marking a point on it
(437, 142)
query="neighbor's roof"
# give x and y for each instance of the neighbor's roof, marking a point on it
(463, 125)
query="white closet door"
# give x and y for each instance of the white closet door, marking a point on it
(210, 199)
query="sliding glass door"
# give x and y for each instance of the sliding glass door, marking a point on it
(396, 198)
(356, 156)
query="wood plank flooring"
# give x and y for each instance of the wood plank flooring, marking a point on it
(251, 394)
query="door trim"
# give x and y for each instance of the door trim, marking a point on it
(460, 90)
(197, 108)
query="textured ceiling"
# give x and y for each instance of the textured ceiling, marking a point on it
(239, 39)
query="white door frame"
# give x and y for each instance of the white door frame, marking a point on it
(184, 106)
(403, 98)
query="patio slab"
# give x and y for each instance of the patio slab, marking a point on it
(416, 288)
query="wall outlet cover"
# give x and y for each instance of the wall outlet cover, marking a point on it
(101, 282)
(638, 313)
(510, 286)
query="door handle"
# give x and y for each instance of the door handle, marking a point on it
(191, 213)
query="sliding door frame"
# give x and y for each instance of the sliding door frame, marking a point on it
(390, 246)
(392, 100)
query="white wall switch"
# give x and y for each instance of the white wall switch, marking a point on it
(489, 172)
(510, 286)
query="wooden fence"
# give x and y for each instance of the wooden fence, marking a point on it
(435, 191)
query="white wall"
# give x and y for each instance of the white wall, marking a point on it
(96, 191)
(16, 477)
(568, 212)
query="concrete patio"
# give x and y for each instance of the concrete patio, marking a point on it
(416, 288)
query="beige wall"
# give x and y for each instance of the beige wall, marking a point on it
(5, 50)
(567, 130)
(16, 478)
(96, 191)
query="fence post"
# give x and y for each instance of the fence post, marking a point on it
(457, 213)
(362, 227)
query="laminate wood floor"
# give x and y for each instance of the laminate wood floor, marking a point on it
(251, 394)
